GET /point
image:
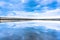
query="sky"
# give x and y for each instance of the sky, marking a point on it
(30, 8)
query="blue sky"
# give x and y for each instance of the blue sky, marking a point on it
(30, 8)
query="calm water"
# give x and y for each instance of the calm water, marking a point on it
(30, 30)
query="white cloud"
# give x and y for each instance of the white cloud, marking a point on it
(10, 13)
(45, 2)
(47, 14)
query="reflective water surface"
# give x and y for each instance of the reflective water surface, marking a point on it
(30, 30)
